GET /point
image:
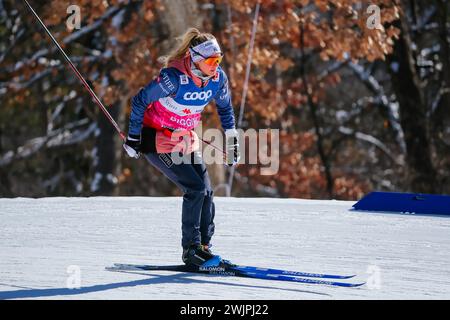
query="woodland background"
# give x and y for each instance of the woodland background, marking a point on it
(358, 109)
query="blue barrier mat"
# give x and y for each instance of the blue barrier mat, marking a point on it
(405, 202)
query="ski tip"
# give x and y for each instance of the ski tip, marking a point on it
(356, 284)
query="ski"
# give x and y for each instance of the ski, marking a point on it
(254, 269)
(230, 270)
(293, 273)
(280, 277)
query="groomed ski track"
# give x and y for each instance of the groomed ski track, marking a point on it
(49, 245)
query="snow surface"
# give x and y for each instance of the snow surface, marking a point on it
(44, 242)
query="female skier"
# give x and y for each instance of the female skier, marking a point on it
(162, 119)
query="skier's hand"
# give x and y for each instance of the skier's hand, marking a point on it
(233, 154)
(133, 145)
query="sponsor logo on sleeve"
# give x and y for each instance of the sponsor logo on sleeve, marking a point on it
(165, 84)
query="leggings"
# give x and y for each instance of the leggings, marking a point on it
(192, 178)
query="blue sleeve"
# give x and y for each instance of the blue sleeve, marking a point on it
(224, 105)
(164, 85)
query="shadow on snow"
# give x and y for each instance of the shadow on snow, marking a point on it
(155, 279)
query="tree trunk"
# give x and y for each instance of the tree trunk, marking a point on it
(5, 185)
(406, 86)
(441, 115)
(313, 107)
(179, 15)
(108, 148)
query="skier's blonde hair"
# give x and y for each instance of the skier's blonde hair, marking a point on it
(190, 38)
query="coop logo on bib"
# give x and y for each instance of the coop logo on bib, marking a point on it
(205, 95)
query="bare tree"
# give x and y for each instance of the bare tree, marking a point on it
(407, 88)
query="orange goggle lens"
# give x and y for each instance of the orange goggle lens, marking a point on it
(213, 61)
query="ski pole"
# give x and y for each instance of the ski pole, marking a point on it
(78, 74)
(209, 143)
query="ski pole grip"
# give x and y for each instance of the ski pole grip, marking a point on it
(131, 152)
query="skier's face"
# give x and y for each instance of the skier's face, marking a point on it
(209, 65)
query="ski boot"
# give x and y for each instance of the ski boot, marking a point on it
(200, 256)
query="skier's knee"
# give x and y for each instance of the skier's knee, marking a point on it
(199, 187)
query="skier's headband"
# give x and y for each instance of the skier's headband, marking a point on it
(205, 50)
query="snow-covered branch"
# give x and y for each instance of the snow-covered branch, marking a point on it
(57, 138)
(17, 85)
(392, 108)
(335, 66)
(59, 107)
(13, 43)
(54, 181)
(422, 21)
(67, 40)
(372, 140)
(343, 116)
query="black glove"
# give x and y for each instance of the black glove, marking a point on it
(233, 154)
(133, 145)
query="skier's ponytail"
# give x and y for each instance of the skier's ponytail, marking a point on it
(191, 38)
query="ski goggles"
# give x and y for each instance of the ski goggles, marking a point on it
(214, 61)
